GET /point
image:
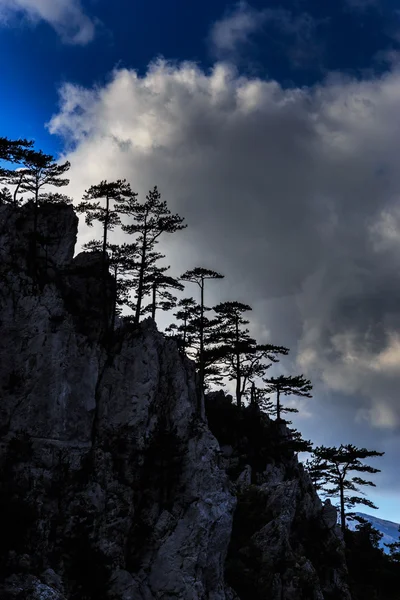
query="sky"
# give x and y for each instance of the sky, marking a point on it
(274, 129)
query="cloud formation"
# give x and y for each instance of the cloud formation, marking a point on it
(229, 35)
(291, 193)
(65, 16)
(235, 28)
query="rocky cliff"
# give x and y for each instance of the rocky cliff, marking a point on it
(112, 485)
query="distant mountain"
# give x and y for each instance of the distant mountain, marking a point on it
(389, 529)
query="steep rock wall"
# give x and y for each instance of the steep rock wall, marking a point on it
(110, 487)
(285, 543)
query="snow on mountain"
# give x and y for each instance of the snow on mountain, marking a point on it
(389, 529)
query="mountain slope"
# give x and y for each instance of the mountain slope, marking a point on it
(389, 529)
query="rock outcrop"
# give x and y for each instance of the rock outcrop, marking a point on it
(285, 543)
(112, 485)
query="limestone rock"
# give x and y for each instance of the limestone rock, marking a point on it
(284, 543)
(113, 485)
(110, 479)
(329, 514)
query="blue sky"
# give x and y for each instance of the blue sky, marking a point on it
(341, 35)
(290, 109)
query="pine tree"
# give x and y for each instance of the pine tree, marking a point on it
(113, 194)
(13, 150)
(161, 297)
(394, 549)
(122, 264)
(185, 331)
(150, 220)
(257, 396)
(317, 469)
(338, 464)
(295, 442)
(14, 178)
(367, 531)
(55, 198)
(199, 275)
(5, 196)
(39, 171)
(287, 386)
(242, 359)
(233, 342)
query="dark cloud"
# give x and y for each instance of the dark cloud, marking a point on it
(293, 195)
(293, 34)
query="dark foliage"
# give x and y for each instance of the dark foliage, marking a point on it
(255, 438)
(372, 574)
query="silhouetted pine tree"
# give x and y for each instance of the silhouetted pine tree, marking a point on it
(185, 331)
(151, 219)
(337, 465)
(12, 151)
(40, 170)
(258, 396)
(14, 178)
(394, 549)
(113, 194)
(242, 359)
(199, 275)
(233, 342)
(288, 386)
(317, 469)
(161, 297)
(122, 264)
(5, 196)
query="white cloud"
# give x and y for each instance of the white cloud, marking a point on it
(235, 28)
(65, 16)
(286, 192)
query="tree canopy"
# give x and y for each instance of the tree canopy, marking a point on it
(337, 467)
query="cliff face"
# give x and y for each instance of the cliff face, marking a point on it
(111, 484)
(110, 489)
(285, 544)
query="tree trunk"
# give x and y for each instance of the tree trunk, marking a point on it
(201, 357)
(278, 406)
(34, 235)
(253, 394)
(238, 390)
(16, 190)
(184, 334)
(103, 264)
(141, 275)
(342, 513)
(114, 308)
(104, 250)
(35, 213)
(153, 305)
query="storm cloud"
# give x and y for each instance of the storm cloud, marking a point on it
(293, 195)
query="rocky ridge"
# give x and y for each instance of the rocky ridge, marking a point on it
(112, 485)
